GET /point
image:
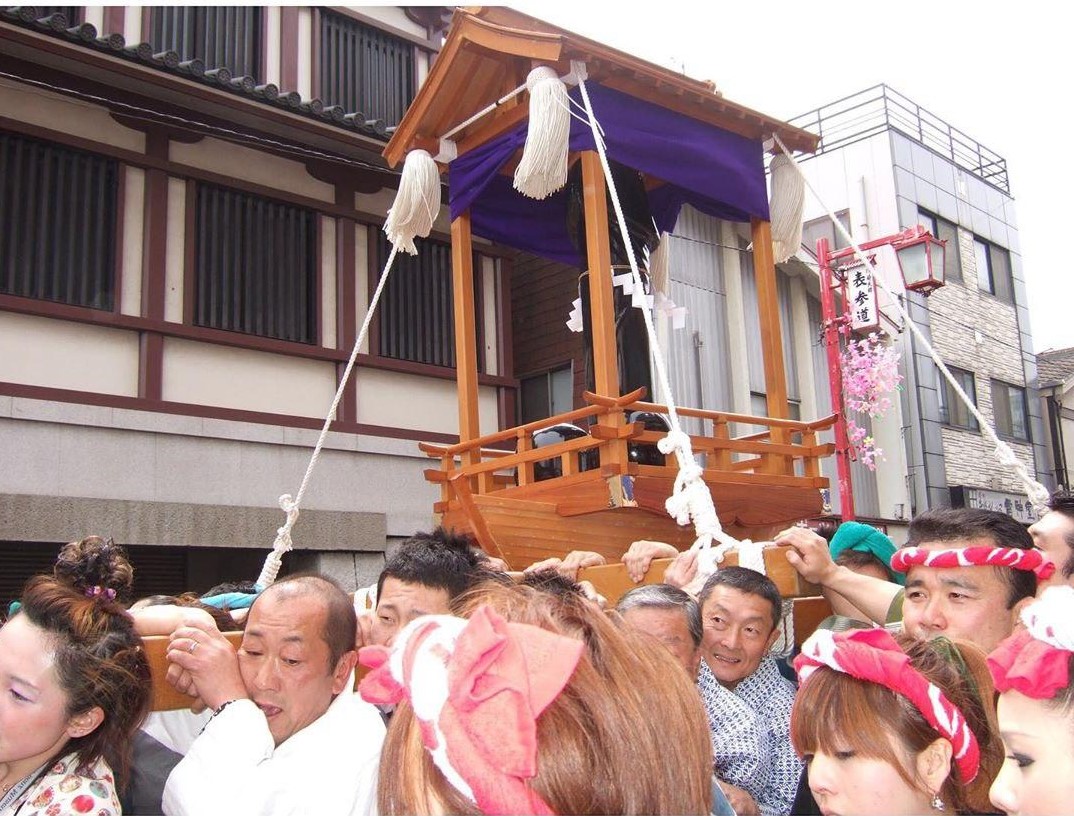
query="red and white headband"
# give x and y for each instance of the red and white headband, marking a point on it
(476, 687)
(1036, 660)
(1012, 557)
(874, 656)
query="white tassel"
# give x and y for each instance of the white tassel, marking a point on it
(417, 203)
(785, 209)
(543, 168)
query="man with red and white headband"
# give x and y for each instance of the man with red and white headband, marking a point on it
(968, 575)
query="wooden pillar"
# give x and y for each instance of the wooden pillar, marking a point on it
(346, 299)
(154, 266)
(775, 378)
(599, 261)
(462, 272)
(613, 452)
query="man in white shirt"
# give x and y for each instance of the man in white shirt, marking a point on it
(288, 734)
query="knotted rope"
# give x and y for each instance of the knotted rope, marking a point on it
(290, 505)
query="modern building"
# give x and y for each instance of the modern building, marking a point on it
(885, 164)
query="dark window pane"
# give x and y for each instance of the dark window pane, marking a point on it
(546, 394)
(984, 266)
(1010, 409)
(1019, 418)
(953, 411)
(534, 396)
(365, 69)
(58, 217)
(1000, 263)
(952, 258)
(255, 265)
(220, 36)
(417, 319)
(944, 231)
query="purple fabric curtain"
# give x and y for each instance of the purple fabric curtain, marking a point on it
(718, 172)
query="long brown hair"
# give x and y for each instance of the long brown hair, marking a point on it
(99, 657)
(836, 712)
(627, 735)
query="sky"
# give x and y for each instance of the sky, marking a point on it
(998, 72)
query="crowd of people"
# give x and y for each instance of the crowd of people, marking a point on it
(941, 683)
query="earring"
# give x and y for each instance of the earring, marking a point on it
(937, 802)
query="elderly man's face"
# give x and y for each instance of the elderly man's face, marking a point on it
(1051, 535)
(669, 626)
(285, 662)
(958, 602)
(738, 632)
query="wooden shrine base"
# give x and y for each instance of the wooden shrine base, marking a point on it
(549, 519)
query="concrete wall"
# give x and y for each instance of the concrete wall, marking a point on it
(858, 178)
(181, 468)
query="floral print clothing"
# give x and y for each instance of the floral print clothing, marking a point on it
(67, 788)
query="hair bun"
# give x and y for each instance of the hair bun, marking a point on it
(95, 564)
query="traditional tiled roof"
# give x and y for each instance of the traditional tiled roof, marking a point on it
(87, 35)
(1055, 367)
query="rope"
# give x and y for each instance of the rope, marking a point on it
(1035, 491)
(690, 498)
(290, 505)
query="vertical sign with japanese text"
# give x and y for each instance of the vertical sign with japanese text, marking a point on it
(861, 300)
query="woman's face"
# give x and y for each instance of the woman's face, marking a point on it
(1038, 772)
(33, 707)
(846, 783)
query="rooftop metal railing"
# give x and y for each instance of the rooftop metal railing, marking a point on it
(874, 110)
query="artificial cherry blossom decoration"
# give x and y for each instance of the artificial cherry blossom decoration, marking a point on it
(870, 375)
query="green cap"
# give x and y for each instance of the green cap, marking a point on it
(853, 535)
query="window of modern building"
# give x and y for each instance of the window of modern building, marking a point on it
(58, 211)
(546, 394)
(993, 269)
(417, 318)
(220, 36)
(255, 262)
(365, 69)
(1011, 410)
(945, 231)
(953, 410)
(824, 228)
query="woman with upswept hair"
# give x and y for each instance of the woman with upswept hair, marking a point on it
(534, 703)
(895, 726)
(1034, 672)
(74, 687)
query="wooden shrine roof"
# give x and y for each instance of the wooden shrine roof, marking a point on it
(489, 52)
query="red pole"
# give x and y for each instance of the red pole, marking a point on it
(832, 325)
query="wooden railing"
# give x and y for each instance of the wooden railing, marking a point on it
(774, 452)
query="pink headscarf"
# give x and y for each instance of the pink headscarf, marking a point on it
(477, 687)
